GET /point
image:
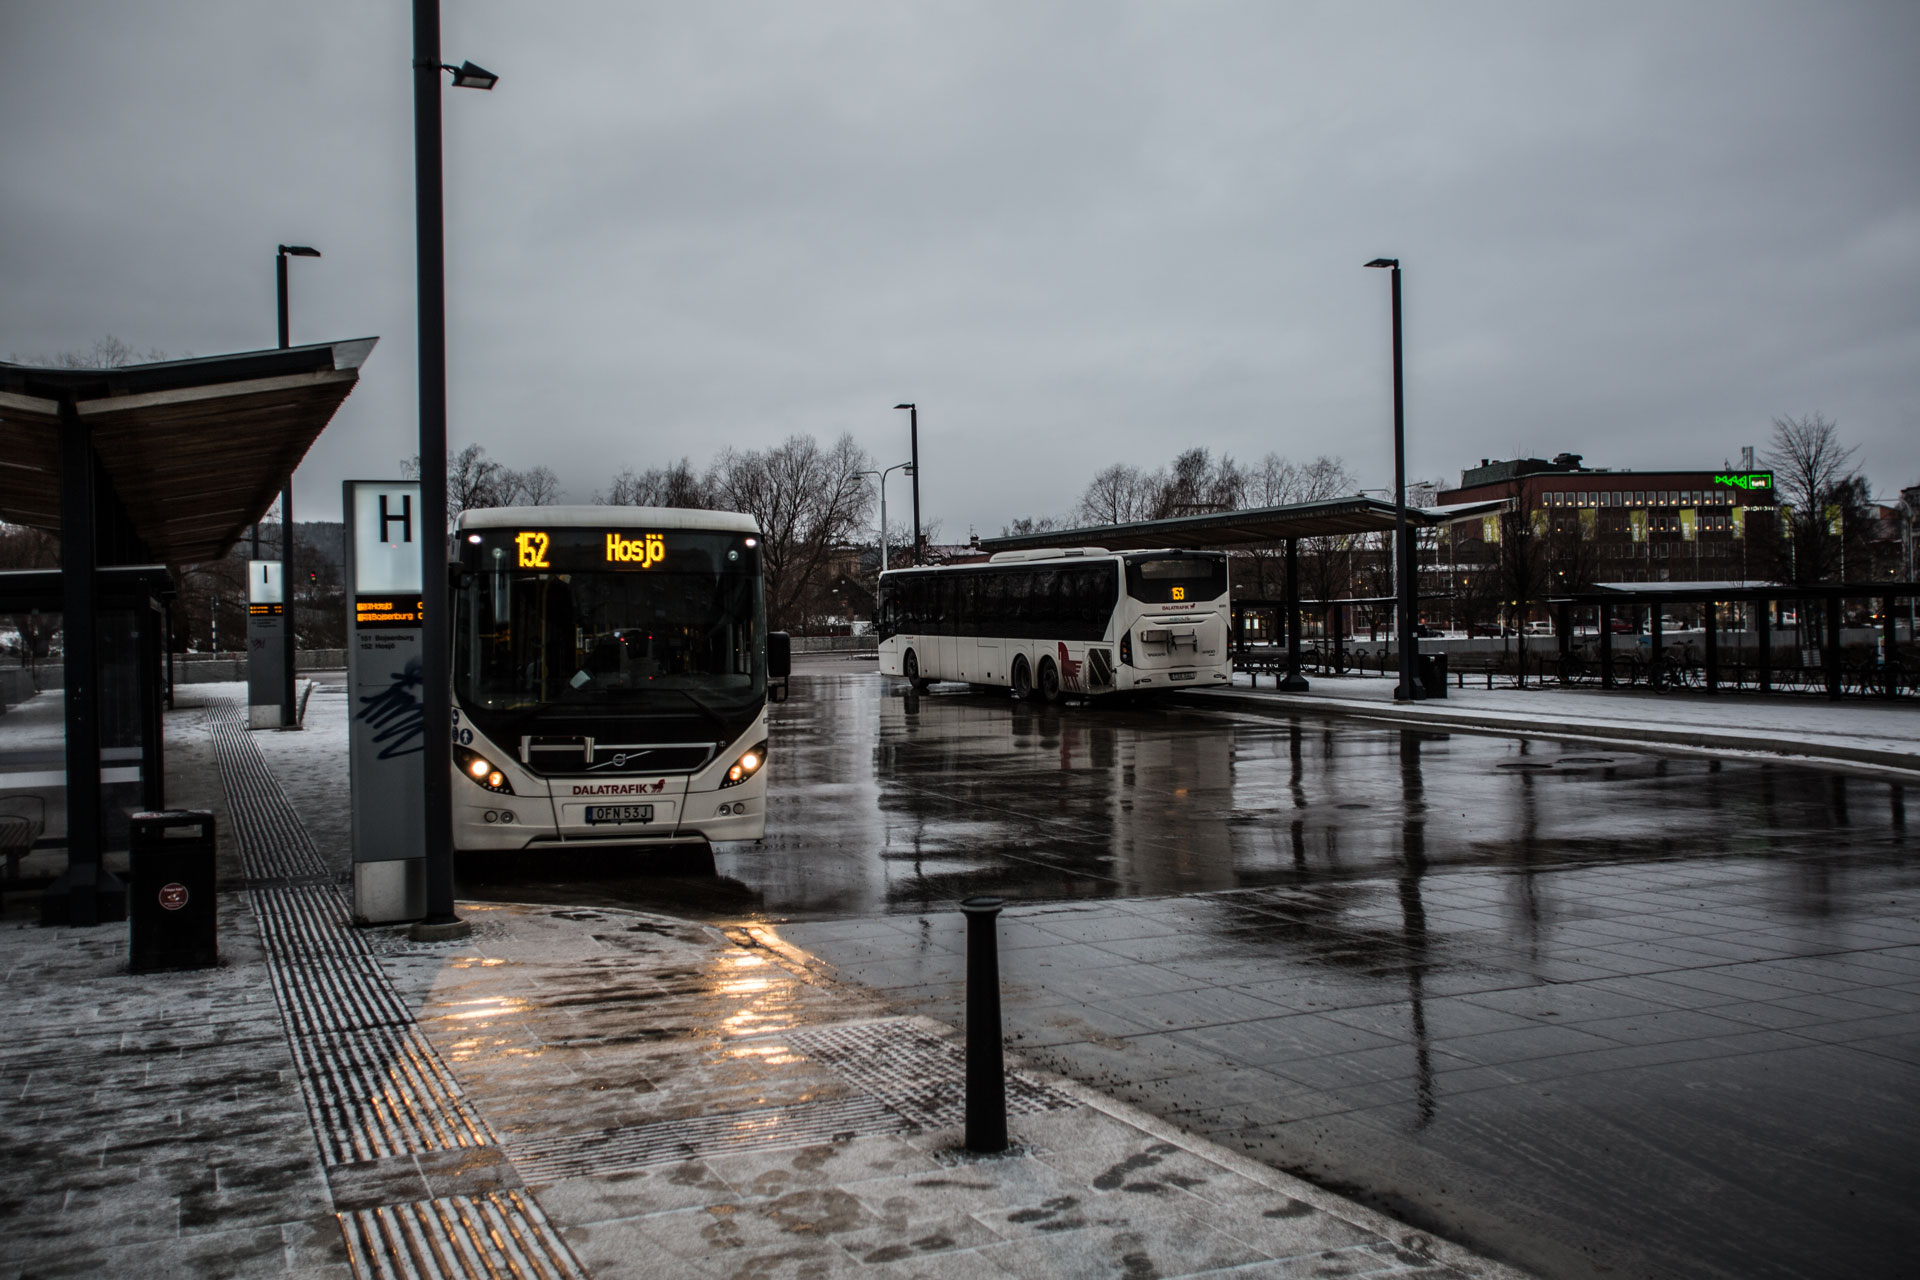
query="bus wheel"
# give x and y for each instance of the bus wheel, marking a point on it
(1021, 678)
(910, 668)
(1049, 686)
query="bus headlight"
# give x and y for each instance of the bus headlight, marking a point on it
(481, 770)
(746, 766)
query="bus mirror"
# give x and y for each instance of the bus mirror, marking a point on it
(779, 655)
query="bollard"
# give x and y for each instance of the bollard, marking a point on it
(986, 1067)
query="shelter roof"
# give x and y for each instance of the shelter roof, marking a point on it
(195, 449)
(1258, 526)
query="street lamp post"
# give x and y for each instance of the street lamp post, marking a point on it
(288, 713)
(913, 427)
(882, 475)
(1409, 646)
(436, 676)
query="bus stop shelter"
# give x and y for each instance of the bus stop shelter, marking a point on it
(138, 469)
(1281, 526)
(1611, 600)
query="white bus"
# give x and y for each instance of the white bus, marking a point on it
(1080, 620)
(610, 677)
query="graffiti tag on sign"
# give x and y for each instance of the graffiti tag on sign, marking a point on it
(397, 714)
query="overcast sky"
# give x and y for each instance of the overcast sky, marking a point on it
(1074, 233)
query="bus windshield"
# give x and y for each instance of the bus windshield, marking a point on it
(630, 643)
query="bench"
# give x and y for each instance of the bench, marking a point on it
(19, 829)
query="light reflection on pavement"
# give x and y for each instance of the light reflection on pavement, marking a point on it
(1584, 1007)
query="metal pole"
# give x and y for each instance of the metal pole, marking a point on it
(883, 522)
(986, 1067)
(287, 711)
(1294, 682)
(436, 693)
(913, 427)
(1409, 644)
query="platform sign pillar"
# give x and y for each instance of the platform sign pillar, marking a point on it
(266, 656)
(386, 726)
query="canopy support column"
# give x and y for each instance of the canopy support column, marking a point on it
(1656, 650)
(1890, 649)
(86, 893)
(1833, 647)
(1606, 646)
(1763, 636)
(1294, 681)
(1712, 613)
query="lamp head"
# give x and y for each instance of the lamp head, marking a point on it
(1385, 262)
(469, 76)
(903, 406)
(298, 251)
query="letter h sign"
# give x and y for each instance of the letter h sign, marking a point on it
(404, 519)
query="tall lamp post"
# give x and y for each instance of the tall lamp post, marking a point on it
(436, 676)
(913, 426)
(288, 713)
(882, 475)
(1409, 644)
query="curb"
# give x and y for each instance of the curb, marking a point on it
(1482, 722)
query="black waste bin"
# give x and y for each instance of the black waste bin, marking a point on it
(172, 918)
(1432, 674)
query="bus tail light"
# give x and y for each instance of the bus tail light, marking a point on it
(746, 766)
(1126, 649)
(481, 771)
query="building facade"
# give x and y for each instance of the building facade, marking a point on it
(1592, 524)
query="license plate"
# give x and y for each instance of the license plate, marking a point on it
(599, 813)
(1180, 675)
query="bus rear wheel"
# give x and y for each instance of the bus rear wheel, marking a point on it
(1049, 686)
(1021, 678)
(910, 668)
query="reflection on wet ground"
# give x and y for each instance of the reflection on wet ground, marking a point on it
(1605, 1012)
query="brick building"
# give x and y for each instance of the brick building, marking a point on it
(1597, 524)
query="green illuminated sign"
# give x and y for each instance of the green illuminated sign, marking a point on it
(1746, 480)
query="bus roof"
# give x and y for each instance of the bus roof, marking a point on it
(1054, 555)
(606, 517)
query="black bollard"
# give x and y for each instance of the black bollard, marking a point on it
(986, 1067)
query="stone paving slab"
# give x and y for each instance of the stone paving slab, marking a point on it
(539, 1015)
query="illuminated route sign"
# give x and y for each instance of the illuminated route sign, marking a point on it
(563, 550)
(1761, 480)
(644, 551)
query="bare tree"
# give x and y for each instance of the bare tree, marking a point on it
(1811, 468)
(534, 487)
(674, 485)
(1118, 494)
(807, 499)
(473, 479)
(105, 353)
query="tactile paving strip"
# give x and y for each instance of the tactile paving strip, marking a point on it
(375, 1087)
(915, 1072)
(501, 1234)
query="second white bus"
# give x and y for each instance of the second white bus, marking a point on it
(1048, 623)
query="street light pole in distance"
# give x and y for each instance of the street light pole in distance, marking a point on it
(436, 635)
(1409, 644)
(913, 426)
(289, 713)
(882, 477)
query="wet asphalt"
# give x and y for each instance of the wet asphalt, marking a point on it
(1598, 1012)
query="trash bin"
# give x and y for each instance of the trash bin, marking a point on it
(1432, 674)
(171, 911)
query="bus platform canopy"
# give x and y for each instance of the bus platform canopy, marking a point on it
(195, 450)
(1255, 527)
